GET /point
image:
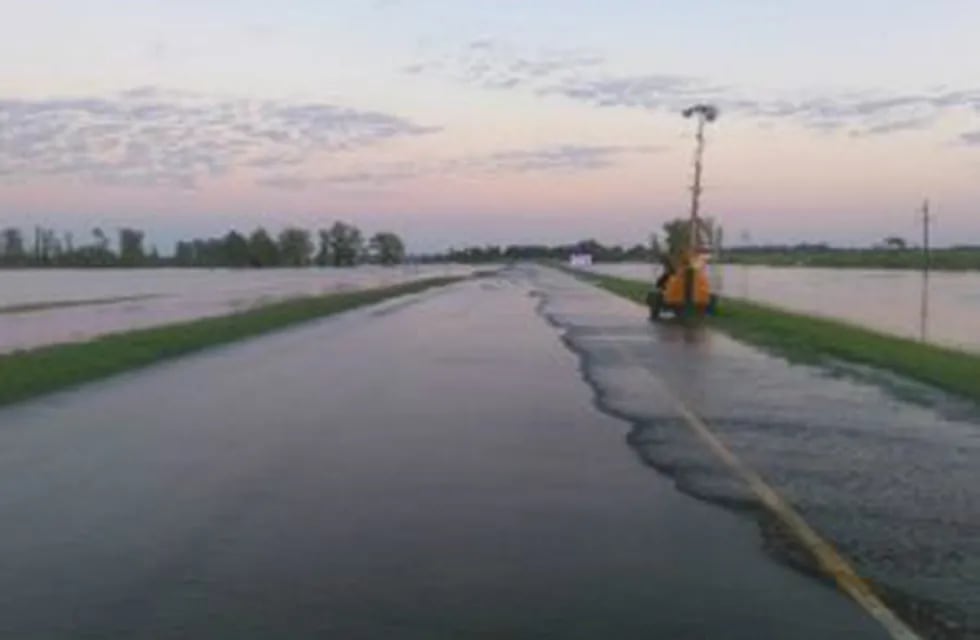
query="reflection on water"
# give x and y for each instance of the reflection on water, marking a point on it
(152, 297)
(689, 332)
(941, 307)
(924, 308)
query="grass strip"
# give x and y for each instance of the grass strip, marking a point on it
(813, 340)
(26, 374)
(61, 304)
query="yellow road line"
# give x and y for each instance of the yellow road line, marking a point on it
(830, 559)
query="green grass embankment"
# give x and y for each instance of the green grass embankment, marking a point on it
(802, 338)
(26, 374)
(962, 259)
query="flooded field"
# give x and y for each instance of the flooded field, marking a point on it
(943, 308)
(46, 306)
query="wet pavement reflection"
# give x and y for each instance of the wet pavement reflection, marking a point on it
(894, 483)
(434, 467)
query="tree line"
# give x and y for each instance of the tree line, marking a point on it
(341, 245)
(562, 252)
(673, 237)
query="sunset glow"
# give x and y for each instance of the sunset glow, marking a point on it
(490, 121)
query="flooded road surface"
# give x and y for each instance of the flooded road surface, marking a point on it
(894, 485)
(47, 306)
(943, 308)
(436, 467)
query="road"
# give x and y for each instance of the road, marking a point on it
(445, 466)
(886, 469)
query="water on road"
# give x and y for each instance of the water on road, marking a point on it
(895, 485)
(444, 468)
(943, 308)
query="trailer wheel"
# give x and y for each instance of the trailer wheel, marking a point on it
(655, 302)
(712, 307)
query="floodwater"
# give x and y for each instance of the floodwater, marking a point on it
(433, 470)
(85, 303)
(496, 458)
(890, 475)
(943, 308)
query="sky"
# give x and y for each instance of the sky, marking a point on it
(460, 122)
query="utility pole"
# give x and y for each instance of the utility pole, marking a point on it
(926, 221)
(924, 303)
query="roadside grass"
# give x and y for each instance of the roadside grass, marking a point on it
(813, 340)
(944, 259)
(30, 373)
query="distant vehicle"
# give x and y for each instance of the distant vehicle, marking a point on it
(580, 260)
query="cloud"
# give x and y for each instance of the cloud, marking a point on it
(377, 177)
(583, 76)
(971, 138)
(157, 50)
(562, 158)
(653, 92)
(492, 64)
(481, 44)
(863, 113)
(893, 126)
(284, 181)
(148, 136)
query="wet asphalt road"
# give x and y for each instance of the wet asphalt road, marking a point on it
(432, 468)
(886, 469)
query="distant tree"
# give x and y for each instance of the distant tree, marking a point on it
(345, 244)
(101, 239)
(13, 250)
(894, 242)
(591, 247)
(51, 246)
(655, 249)
(295, 247)
(235, 250)
(131, 247)
(98, 254)
(637, 253)
(47, 247)
(676, 235)
(387, 248)
(323, 257)
(184, 254)
(262, 250)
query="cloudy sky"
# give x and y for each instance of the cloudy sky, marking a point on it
(478, 121)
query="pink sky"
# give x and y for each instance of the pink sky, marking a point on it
(459, 123)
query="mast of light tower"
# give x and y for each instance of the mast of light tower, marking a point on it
(704, 113)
